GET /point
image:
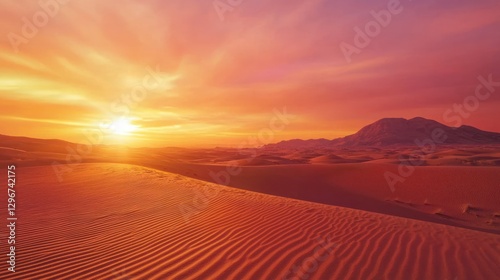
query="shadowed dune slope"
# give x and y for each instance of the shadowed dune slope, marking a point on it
(439, 194)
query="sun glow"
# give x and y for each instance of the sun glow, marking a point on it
(122, 126)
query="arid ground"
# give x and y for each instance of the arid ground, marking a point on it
(174, 213)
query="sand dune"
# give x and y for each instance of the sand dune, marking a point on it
(117, 221)
(449, 178)
(431, 193)
(328, 159)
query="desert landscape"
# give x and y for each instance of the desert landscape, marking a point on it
(250, 140)
(287, 211)
(119, 221)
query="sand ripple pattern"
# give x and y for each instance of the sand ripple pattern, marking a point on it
(115, 221)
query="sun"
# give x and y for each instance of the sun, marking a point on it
(122, 126)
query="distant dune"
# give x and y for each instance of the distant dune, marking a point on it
(117, 221)
(33, 145)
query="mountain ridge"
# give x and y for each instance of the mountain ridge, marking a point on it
(399, 131)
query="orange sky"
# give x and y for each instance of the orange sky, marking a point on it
(222, 79)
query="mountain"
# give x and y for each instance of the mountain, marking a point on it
(398, 131)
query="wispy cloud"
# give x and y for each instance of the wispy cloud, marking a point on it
(229, 74)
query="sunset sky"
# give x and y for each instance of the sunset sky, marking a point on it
(223, 72)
